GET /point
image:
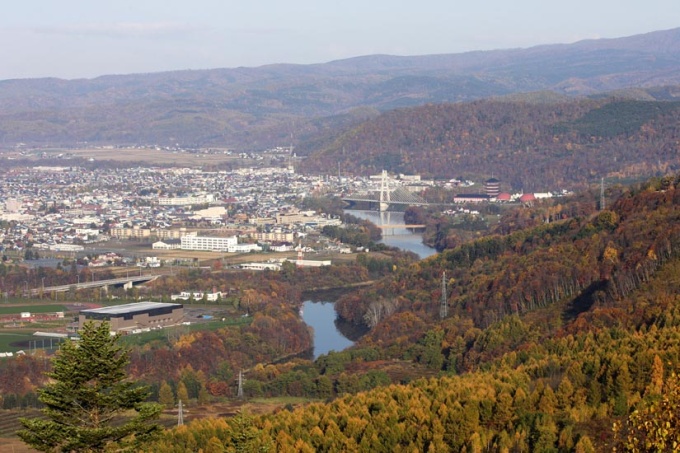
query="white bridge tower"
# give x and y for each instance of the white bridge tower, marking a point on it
(384, 192)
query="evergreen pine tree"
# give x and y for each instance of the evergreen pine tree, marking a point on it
(88, 390)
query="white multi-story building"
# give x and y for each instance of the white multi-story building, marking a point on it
(280, 236)
(210, 243)
(183, 201)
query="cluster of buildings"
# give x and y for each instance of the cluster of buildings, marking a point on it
(64, 209)
(492, 193)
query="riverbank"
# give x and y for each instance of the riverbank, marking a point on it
(337, 288)
(402, 238)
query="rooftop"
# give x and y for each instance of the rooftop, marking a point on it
(129, 308)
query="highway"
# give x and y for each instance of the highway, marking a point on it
(93, 284)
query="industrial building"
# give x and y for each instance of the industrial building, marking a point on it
(133, 316)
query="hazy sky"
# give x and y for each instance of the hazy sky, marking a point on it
(87, 38)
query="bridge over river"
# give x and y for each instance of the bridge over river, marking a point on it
(384, 197)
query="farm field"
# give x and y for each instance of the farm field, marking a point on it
(149, 155)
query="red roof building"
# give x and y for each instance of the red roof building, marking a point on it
(527, 198)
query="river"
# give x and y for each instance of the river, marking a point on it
(329, 333)
(321, 317)
(398, 237)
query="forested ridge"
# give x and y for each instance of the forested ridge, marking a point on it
(555, 335)
(590, 261)
(530, 146)
(256, 108)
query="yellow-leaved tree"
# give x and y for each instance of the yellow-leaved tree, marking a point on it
(655, 427)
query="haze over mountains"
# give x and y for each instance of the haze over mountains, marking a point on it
(253, 108)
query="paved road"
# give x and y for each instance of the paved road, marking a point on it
(94, 284)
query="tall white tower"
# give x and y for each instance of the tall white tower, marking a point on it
(384, 192)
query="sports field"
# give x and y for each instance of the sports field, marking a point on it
(15, 309)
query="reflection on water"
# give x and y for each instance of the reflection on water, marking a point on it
(398, 237)
(349, 330)
(321, 317)
(332, 334)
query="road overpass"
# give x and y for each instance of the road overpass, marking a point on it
(121, 281)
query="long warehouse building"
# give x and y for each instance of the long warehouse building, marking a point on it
(137, 315)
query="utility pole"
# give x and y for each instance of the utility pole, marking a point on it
(444, 307)
(602, 206)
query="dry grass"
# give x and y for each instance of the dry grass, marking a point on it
(149, 155)
(152, 156)
(14, 445)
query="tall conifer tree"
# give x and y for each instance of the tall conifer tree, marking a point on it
(89, 389)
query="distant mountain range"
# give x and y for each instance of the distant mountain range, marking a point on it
(253, 108)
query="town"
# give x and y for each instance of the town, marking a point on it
(68, 211)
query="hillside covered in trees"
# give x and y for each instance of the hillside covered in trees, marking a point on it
(262, 326)
(530, 146)
(257, 108)
(561, 337)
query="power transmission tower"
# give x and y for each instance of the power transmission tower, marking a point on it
(239, 392)
(444, 307)
(180, 414)
(602, 206)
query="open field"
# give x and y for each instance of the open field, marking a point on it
(203, 258)
(15, 308)
(160, 334)
(150, 155)
(22, 332)
(7, 339)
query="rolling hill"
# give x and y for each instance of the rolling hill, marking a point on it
(252, 108)
(531, 146)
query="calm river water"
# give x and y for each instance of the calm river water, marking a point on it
(321, 316)
(397, 237)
